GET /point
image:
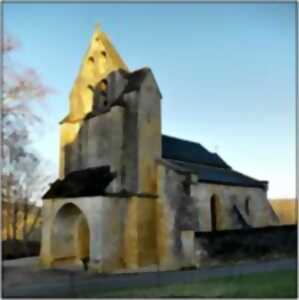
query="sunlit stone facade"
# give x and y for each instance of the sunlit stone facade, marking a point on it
(129, 198)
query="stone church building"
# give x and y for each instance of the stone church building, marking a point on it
(129, 198)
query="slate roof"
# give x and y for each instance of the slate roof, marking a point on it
(88, 182)
(209, 167)
(220, 175)
(174, 148)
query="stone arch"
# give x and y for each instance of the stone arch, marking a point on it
(215, 212)
(70, 234)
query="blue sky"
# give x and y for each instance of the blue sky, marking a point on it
(226, 72)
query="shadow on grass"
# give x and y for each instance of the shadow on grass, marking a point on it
(278, 284)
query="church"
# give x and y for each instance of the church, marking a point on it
(128, 198)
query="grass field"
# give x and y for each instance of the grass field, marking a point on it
(278, 284)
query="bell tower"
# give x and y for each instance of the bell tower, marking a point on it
(99, 61)
(114, 120)
(110, 142)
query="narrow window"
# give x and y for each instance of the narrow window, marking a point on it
(247, 210)
(103, 86)
(214, 212)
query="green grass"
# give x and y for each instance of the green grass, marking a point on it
(278, 284)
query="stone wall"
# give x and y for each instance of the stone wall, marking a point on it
(128, 234)
(148, 134)
(123, 131)
(140, 234)
(251, 204)
(98, 143)
(184, 207)
(100, 59)
(176, 217)
(254, 243)
(106, 221)
(121, 231)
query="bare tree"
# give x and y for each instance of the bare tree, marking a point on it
(23, 177)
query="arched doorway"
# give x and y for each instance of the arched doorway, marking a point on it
(69, 236)
(215, 212)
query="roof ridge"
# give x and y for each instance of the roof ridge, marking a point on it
(190, 151)
(188, 141)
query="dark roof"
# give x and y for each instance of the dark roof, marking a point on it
(209, 167)
(223, 176)
(177, 149)
(88, 182)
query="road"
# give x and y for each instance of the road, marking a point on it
(23, 281)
